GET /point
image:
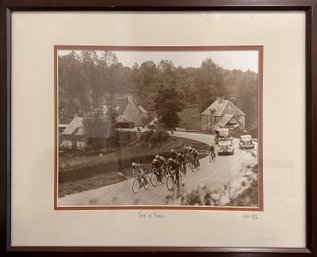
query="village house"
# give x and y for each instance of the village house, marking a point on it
(74, 135)
(128, 111)
(222, 113)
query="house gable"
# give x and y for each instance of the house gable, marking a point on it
(231, 109)
(222, 107)
(216, 108)
(120, 105)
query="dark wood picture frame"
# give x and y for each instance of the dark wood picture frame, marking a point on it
(309, 6)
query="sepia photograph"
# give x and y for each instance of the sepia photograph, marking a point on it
(158, 127)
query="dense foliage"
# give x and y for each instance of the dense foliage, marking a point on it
(97, 124)
(167, 104)
(87, 79)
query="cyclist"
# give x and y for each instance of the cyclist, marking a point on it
(194, 156)
(181, 161)
(212, 151)
(157, 166)
(173, 154)
(161, 159)
(190, 152)
(162, 163)
(138, 172)
(186, 153)
(173, 165)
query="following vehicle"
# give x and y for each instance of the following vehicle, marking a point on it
(246, 142)
(222, 134)
(225, 148)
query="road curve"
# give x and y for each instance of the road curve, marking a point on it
(215, 175)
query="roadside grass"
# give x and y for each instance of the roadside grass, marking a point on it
(89, 183)
(205, 196)
(79, 172)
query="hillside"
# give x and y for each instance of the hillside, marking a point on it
(86, 78)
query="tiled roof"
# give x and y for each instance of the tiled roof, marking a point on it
(222, 107)
(225, 119)
(120, 105)
(72, 127)
(81, 132)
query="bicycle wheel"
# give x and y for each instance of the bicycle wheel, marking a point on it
(136, 186)
(198, 165)
(210, 158)
(189, 167)
(163, 177)
(170, 183)
(194, 166)
(182, 170)
(146, 182)
(154, 179)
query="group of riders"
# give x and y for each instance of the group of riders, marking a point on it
(174, 164)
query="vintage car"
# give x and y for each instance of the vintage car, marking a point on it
(225, 148)
(246, 142)
(222, 134)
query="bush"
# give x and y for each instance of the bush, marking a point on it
(145, 136)
(154, 137)
(159, 136)
(248, 198)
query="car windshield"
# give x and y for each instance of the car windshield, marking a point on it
(246, 138)
(225, 143)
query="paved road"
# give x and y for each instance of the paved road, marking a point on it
(215, 175)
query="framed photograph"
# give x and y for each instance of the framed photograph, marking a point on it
(158, 127)
(150, 137)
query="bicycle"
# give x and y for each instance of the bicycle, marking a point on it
(171, 180)
(186, 159)
(143, 181)
(156, 176)
(182, 168)
(194, 164)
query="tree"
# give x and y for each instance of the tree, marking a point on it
(72, 89)
(167, 104)
(97, 127)
(88, 79)
(167, 72)
(96, 123)
(98, 74)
